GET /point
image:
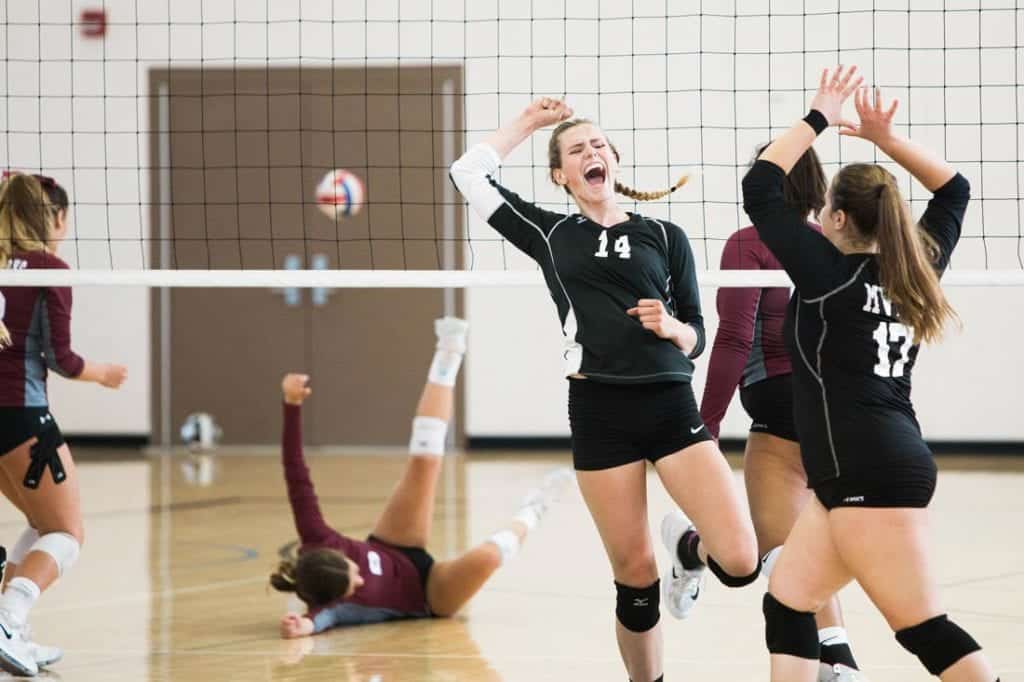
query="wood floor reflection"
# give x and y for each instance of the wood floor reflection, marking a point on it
(171, 584)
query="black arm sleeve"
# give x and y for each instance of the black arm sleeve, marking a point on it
(811, 261)
(944, 217)
(684, 284)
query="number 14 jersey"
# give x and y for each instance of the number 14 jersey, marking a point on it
(852, 357)
(594, 275)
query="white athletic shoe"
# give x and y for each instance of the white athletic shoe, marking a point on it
(43, 655)
(451, 334)
(680, 587)
(538, 500)
(15, 654)
(839, 673)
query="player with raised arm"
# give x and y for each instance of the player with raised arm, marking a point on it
(867, 294)
(625, 289)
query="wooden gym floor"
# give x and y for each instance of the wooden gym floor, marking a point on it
(171, 584)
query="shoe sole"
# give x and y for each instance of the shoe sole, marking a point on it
(14, 666)
(46, 662)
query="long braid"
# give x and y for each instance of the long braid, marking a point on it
(637, 195)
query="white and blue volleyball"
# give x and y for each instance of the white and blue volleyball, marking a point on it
(340, 194)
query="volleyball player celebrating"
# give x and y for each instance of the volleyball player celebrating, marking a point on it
(37, 473)
(626, 292)
(749, 351)
(867, 293)
(391, 576)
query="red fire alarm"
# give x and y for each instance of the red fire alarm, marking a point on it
(94, 23)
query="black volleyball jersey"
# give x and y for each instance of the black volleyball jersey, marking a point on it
(594, 274)
(852, 357)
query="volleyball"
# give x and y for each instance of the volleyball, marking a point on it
(340, 194)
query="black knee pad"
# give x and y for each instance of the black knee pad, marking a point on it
(637, 607)
(938, 643)
(789, 632)
(731, 580)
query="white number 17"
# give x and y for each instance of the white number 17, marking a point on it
(886, 334)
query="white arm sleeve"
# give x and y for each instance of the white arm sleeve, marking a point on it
(470, 174)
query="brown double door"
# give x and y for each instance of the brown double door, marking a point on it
(240, 154)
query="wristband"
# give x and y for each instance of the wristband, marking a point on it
(816, 120)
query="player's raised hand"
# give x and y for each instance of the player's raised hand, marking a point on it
(833, 90)
(547, 111)
(875, 117)
(295, 388)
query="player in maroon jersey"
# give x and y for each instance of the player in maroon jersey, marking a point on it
(38, 474)
(749, 351)
(390, 575)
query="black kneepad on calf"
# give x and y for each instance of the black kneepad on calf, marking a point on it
(789, 632)
(938, 643)
(637, 607)
(731, 580)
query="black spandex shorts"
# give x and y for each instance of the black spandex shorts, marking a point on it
(769, 403)
(911, 484)
(419, 557)
(20, 424)
(616, 424)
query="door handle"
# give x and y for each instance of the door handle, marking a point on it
(320, 294)
(292, 295)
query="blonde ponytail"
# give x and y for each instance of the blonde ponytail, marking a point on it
(637, 195)
(25, 216)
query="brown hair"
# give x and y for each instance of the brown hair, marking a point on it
(555, 161)
(318, 576)
(805, 187)
(907, 255)
(26, 216)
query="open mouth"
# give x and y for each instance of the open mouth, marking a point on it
(594, 175)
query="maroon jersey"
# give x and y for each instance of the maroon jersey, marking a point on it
(748, 347)
(39, 320)
(392, 588)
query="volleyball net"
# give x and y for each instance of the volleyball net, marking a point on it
(194, 139)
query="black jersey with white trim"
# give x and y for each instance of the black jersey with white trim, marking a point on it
(594, 275)
(852, 357)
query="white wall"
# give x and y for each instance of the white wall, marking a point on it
(678, 89)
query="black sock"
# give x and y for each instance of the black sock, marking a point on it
(686, 550)
(838, 653)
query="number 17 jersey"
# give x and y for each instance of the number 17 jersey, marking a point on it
(852, 356)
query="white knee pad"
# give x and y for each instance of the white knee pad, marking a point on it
(428, 436)
(63, 547)
(23, 546)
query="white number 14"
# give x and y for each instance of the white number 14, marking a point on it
(621, 246)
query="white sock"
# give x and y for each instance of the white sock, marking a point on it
(444, 369)
(18, 598)
(833, 635)
(529, 515)
(507, 543)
